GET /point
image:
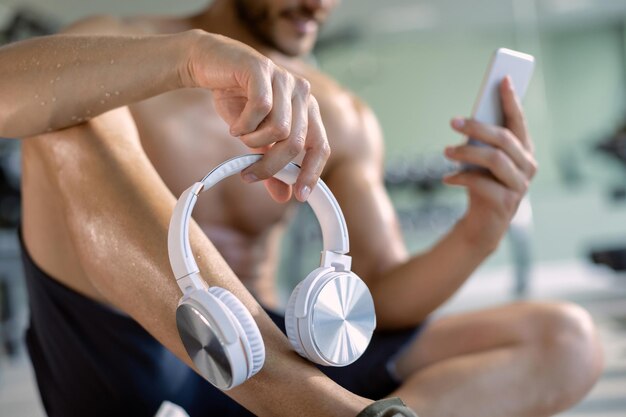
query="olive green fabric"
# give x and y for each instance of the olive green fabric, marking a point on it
(389, 407)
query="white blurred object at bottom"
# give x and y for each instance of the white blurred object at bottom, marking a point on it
(168, 409)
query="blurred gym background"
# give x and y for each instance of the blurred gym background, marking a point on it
(418, 63)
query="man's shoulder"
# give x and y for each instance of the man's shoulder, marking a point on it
(115, 25)
(351, 125)
(96, 25)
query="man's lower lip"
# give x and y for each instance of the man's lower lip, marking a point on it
(304, 26)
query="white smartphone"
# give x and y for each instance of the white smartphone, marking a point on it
(487, 108)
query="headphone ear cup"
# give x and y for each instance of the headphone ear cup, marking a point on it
(339, 319)
(252, 335)
(291, 322)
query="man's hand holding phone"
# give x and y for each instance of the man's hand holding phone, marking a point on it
(499, 173)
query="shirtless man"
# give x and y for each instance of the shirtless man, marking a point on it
(102, 234)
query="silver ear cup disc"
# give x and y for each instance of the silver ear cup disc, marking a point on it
(343, 319)
(203, 346)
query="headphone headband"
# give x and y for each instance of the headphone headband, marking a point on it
(321, 200)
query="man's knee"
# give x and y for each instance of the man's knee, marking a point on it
(565, 342)
(564, 326)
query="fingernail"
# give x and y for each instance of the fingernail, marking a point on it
(458, 122)
(305, 192)
(250, 177)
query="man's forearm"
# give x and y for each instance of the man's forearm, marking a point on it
(407, 294)
(54, 82)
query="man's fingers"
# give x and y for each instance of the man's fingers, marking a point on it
(481, 185)
(317, 153)
(279, 191)
(281, 153)
(308, 134)
(259, 99)
(294, 124)
(277, 125)
(495, 160)
(513, 113)
(501, 138)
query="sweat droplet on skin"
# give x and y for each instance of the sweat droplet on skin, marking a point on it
(74, 117)
(108, 94)
(88, 111)
(58, 65)
(117, 93)
(101, 101)
(54, 99)
(101, 86)
(112, 61)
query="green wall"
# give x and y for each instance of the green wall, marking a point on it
(586, 90)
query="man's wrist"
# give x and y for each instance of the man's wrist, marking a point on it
(473, 240)
(188, 42)
(351, 405)
(359, 404)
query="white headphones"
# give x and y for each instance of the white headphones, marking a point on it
(330, 315)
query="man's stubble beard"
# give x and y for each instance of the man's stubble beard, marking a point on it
(254, 19)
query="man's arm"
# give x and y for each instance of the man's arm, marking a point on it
(117, 210)
(54, 82)
(407, 289)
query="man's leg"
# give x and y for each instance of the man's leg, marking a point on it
(523, 359)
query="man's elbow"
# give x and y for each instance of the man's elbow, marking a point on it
(9, 125)
(4, 129)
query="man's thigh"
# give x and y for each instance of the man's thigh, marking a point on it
(473, 332)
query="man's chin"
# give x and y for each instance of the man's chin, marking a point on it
(295, 49)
